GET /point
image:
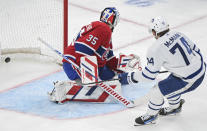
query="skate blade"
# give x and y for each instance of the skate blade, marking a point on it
(171, 114)
(150, 123)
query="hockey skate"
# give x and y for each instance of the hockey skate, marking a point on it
(168, 111)
(59, 91)
(145, 120)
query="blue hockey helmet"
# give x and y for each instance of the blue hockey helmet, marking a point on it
(110, 16)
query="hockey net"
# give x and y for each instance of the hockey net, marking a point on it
(23, 21)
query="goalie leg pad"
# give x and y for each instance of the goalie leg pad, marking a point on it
(95, 93)
(69, 91)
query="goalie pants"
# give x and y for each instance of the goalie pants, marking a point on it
(104, 72)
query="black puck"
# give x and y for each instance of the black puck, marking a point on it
(7, 59)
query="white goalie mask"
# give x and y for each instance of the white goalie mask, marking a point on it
(159, 24)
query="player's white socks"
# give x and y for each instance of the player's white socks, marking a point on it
(174, 102)
(155, 102)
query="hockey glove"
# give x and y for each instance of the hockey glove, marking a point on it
(127, 78)
(129, 63)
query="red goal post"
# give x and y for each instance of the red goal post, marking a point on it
(65, 24)
(24, 23)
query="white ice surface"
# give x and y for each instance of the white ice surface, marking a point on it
(130, 36)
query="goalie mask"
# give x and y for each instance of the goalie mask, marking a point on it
(110, 16)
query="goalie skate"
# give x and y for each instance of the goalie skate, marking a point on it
(59, 91)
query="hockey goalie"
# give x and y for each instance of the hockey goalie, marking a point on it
(91, 60)
(87, 88)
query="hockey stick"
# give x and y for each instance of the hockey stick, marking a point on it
(106, 88)
(160, 72)
(101, 81)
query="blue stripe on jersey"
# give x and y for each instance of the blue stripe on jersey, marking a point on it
(147, 76)
(83, 49)
(100, 51)
(194, 47)
(198, 71)
(198, 51)
(110, 54)
(152, 72)
(70, 57)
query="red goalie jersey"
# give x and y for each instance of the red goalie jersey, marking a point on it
(94, 40)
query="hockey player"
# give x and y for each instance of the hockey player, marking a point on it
(181, 57)
(92, 40)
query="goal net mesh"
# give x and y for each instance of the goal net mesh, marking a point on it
(22, 23)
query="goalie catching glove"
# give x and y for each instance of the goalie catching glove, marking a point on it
(129, 63)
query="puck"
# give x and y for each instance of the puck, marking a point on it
(7, 59)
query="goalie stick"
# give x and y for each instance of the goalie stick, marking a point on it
(161, 72)
(103, 86)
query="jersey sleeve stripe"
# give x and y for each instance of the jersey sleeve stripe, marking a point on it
(147, 76)
(98, 54)
(194, 47)
(149, 73)
(81, 53)
(152, 72)
(70, 56)
(100, 51)
(82, 43)
(110, 58)
(198, 50)
(104, 48)
(110, 54)
(82, 48)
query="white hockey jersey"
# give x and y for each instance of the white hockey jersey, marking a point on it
(177, 54)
